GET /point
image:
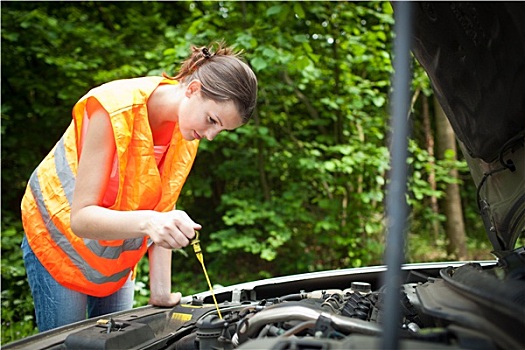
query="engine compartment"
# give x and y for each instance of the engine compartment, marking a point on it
(464, 306)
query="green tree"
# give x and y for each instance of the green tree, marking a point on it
(51, 56)
(300, 188)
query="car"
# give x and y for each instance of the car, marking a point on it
(474, 54)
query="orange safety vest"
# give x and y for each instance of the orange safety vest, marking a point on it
(96, 267)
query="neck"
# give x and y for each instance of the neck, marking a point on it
(163, 106)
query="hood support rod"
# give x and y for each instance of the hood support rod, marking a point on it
(397, 210)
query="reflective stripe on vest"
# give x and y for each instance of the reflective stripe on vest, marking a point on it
(96, 267)
(67, 180)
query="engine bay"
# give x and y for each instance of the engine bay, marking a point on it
(477, 305)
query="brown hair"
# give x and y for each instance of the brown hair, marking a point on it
(224, 76)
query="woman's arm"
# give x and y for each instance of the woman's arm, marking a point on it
(171, 230)
(160, 277)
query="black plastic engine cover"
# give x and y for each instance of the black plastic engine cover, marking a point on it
(96, 337)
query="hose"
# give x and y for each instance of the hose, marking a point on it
(283, 313)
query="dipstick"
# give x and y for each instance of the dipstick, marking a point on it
(198, 252)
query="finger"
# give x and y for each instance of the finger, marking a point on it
(168, 242)
(181, 239)
(175, 298)
(185, 224)
(184, 217)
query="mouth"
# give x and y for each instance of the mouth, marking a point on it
(196, 135)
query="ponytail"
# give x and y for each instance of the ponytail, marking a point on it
(224, 76)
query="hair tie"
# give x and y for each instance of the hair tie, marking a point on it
(206, 53)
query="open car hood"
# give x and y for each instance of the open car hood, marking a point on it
(474, 54)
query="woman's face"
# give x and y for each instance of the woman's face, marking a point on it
(204, 118)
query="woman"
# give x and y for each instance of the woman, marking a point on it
(107, 191)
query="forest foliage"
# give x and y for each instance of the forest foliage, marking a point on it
(300, 188)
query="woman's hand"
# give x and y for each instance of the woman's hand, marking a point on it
(160, 277)
(166, 300)
(171, 230)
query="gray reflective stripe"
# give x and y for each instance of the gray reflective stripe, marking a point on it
(90, 274)
(67, 180)
(63, 171)
(113, 252)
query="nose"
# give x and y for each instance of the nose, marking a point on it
(210, 134)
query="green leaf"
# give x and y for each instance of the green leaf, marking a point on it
(274, 10)
(259, 63)
(298, 9)
(300, 38)
(379, 101)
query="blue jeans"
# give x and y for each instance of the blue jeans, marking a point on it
(56, 305)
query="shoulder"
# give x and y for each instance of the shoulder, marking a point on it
(148, 82)
(120, 93)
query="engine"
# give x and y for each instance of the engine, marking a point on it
(315, 316)
(464, 308)
(453, 306)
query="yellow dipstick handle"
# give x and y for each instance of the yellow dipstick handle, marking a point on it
(198, 252)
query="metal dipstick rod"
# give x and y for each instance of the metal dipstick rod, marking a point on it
(198, 252)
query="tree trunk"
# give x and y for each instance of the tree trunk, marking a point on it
(429, 143)
(455, 227)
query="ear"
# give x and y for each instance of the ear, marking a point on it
(193, 87)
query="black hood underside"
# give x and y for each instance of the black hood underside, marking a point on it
(474, 54)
